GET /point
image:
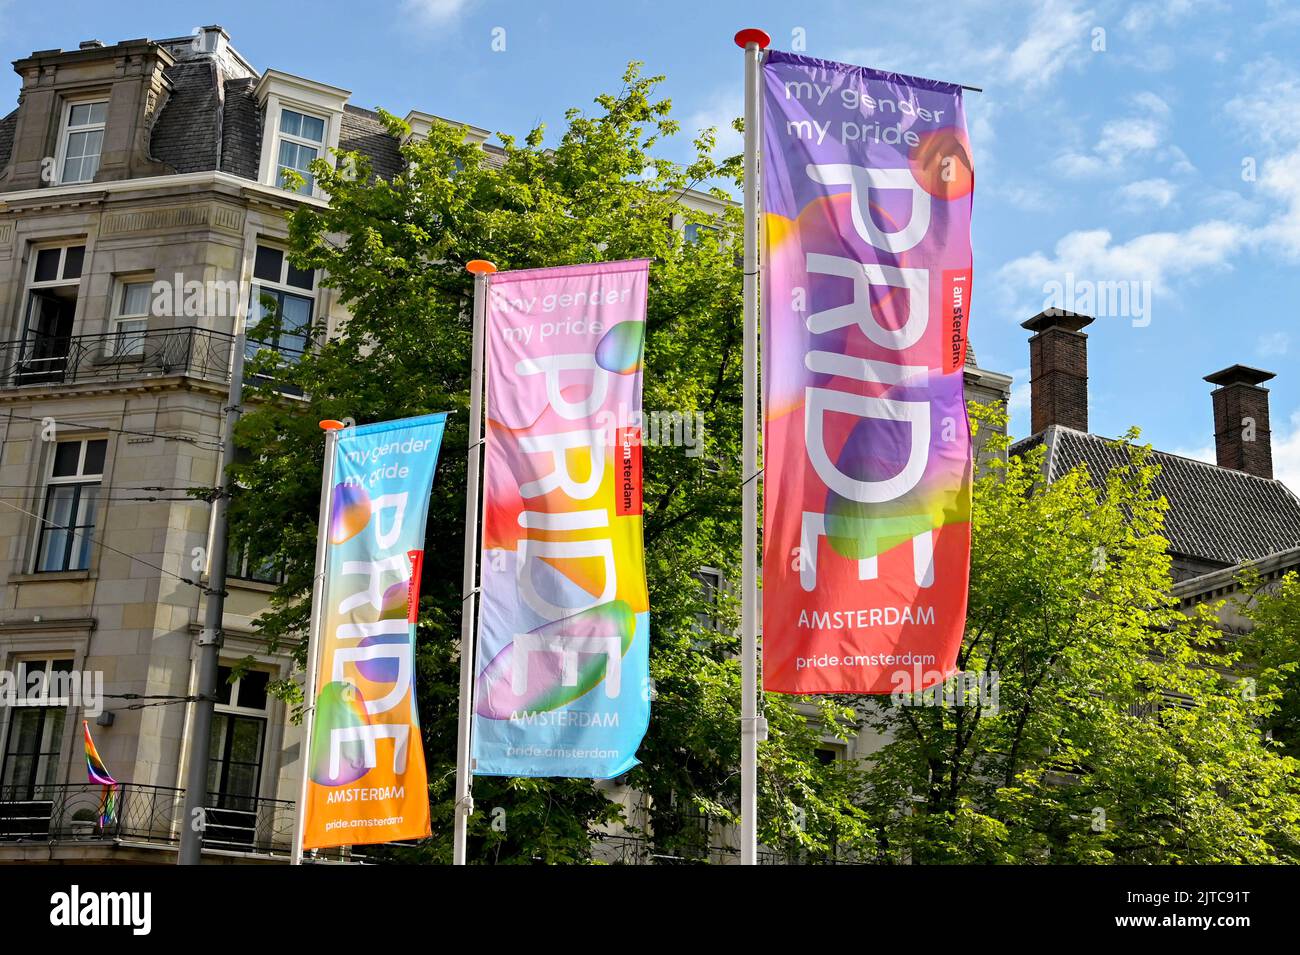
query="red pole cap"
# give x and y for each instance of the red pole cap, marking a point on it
(753, 35)
(480, 267)
(329, 424)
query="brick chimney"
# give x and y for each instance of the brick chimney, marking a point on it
(1242, 439)
(1058, 369)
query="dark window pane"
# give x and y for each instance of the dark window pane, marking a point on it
(313, 128)
(72, 263)
(246, 743)
(252, 689)
(223, 685)
(35, 681)
(268, 264)
(66, 455)
(240, 781)
(95, 457)
(61, 666)
(300, 278)
(295, 325)
(32, 752)
(47, 265)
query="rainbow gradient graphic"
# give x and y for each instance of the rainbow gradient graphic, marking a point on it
(97, 773)
(562, 662)
(867, 194)
(365, 757)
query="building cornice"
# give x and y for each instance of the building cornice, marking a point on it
(97, 192)
(49, 625)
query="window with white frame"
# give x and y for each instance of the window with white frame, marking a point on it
(53, 284)
(35, 738)
(67, 522)
(131, 317)
(241, 565)
(302, 140)
(282, 306)
(710, 581)
(82, 140)
(238, 738)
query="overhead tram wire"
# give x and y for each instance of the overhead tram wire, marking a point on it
(203, 441)
(96, 540)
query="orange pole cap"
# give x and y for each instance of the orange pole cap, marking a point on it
(480, 267)
(329, 424)
(753, 35)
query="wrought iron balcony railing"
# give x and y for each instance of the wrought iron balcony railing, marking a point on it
(43, 360)
(150, 815)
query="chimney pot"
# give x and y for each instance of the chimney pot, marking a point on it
(91, 45)
(1058, 369)
(1242, 439)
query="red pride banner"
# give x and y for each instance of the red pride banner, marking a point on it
(867, 186)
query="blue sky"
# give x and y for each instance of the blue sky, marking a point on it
(1155, 143)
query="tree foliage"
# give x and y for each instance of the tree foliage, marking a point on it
(1121, 732)
(393, 253)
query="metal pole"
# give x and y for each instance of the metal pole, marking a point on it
(752, 727)
(318, 598)
(481, 269)
(210, 637)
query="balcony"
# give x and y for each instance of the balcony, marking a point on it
(42, 361)
(147, 818)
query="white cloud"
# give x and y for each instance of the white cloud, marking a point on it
(1280, 179)
(1056, 28)
(1122, 140)
(1268, 223)
(1019, 403)
(436, 11)
(1204, 452)
(1273, 343)
(1147, 193)
(1286, 453)
(1270, 112)
(970, 48)
(1025, 196)
(1143, 16)
(1156, 257)
(719, 111)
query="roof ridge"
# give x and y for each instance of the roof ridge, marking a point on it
(1172, 454)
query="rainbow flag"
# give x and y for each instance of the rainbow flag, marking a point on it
(97, 772)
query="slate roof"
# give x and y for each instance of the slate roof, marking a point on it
(241, 129)
(210, 121)
(363, 131)
(186, 134)
(1215, 514)
(7, 137)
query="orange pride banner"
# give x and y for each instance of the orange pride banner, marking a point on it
(367, 779)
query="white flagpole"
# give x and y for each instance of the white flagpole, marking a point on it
(752, 726)
(318, 598)
(481, 269)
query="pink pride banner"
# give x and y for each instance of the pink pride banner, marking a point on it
(867, 189)
(563, 660)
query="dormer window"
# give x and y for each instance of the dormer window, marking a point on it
(81, 140)
(302, 138)
(301, 122)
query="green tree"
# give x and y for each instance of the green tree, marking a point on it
(1120, 731)
(1271, 652)
(394, 252)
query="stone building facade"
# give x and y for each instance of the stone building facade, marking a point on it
(142, 214)
(142, 219)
